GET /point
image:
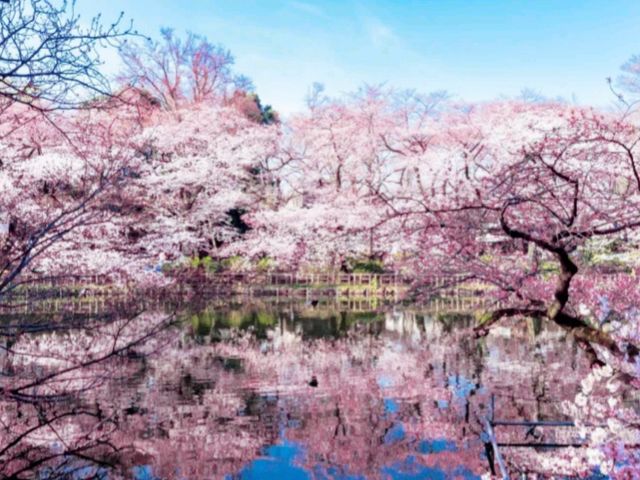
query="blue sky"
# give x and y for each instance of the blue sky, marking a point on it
(475, 49)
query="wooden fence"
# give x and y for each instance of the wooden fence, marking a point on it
(320, 280)
(298, 285)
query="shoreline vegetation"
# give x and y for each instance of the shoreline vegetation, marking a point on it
(379, 290)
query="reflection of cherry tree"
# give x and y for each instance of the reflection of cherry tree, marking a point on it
(386, 409)
(55, 414)
(78, 401)
(131, 393)
(420, 379)
(345, 422)
(386, 399)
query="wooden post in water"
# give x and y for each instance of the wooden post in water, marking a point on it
(494, 447)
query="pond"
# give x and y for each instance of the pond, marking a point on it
(253, 389)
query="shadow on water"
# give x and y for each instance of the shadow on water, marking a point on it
(254, 391)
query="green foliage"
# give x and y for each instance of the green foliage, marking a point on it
(208, 263)
(254, 110)
(203, 322)
(232, 263)
(486, 257)
(482, 317)
(214, 266)
(368, 266)
(235, 318)
(615, 246)
(169, 267)
(588, 256)
(549, 267)
(269, 115)
(266, 319)
(616, 255)
(265, 264)
(357, 317)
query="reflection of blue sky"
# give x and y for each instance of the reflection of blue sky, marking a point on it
(461, 386)
(278, 463)
(390, 405)
(284, 459)
(462, 389)
(385, 382)
(438, 445)
(410, 469)
(143, 472)
(394, 434)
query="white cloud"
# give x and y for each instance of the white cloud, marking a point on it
(380, 34)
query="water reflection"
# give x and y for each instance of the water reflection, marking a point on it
(285, 392)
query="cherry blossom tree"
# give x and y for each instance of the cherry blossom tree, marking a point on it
(132, 179)
(332, 169)
(502, 193)
(50, 59)
(197, 165)
(510, 186)
(63, 185)
(56, 162)
(176, 71)
(205, 151)
(628, 81)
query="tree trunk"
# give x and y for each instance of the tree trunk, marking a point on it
(582, 331)
(568, 269)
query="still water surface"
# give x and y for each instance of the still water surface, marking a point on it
(284, 392)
